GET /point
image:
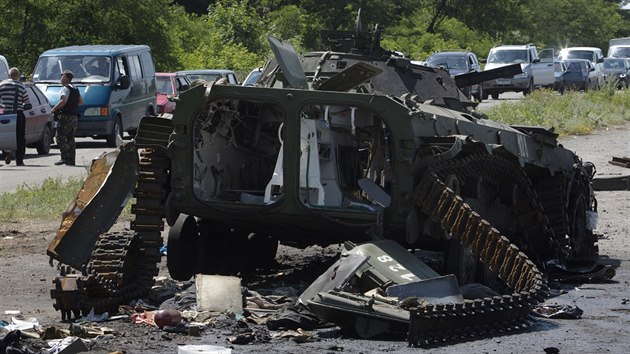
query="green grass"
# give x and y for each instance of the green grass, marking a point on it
(571, 113)
(42, 202)
(46, 201)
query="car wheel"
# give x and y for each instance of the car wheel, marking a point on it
(43, 146)
(495, 96)
(117, 131)
(529, 88)
(480, 95)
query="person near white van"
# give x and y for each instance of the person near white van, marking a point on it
(15, 99)
(68, 118)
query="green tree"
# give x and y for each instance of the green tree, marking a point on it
(30, 27)
(563, 23)
(412, 38)
(25, 34)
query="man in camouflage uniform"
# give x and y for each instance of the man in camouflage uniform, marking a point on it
(67, 123)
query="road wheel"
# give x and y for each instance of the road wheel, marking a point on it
(117, 130)
(181, 256)
(261, 250)
(583, 242)
(43, 146)
(495, 96)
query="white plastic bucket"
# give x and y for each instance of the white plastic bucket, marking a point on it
(205, 349)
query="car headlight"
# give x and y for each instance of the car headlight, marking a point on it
(521, 76)
(95, 111)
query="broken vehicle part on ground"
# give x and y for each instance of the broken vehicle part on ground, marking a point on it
(350, 144)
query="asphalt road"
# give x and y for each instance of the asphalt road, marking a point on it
(504, 97)
(39, 167)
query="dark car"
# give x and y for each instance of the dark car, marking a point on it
(169, 84)
(38, 130)
(558, 73)
(577, 76)
(617, 70)
(458, 63)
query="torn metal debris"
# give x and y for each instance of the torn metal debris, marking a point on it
(620, 161)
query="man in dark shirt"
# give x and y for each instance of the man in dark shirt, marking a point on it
(14, 98)
(67, 124)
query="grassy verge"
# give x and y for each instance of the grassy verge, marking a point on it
(571, 113)
(43, 202)
(46, 201)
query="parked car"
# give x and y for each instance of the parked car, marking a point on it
(169, 84)
(592, 54)
(210, 75)
(619, 48)
(252, 77)
(617, 71)
(577, 76)
(559, 68)
(38, 129)
(459, 63)
(537, 69)
(117, 83)
(4, 68)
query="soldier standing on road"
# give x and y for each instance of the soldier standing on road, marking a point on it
(15, 99)
(67, 123)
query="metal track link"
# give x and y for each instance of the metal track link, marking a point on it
(433, 324)
(122, 265)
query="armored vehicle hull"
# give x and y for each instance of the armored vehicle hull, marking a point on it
(353, 144)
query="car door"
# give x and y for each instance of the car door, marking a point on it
(35, 117)
(8, 123)
(543, 70)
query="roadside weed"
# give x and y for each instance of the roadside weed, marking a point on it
(571, 113)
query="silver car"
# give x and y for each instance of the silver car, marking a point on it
(39, 124)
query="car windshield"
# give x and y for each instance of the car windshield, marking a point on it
(507, 56)
(85, 69)
(252, 78)
(164, 85)
(619, 52)
(447, 61)
(614, 64)
(578, 54)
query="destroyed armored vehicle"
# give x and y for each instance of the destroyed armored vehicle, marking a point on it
(349, 144)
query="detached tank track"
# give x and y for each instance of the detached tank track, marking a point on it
(122, 265)
(433, 324)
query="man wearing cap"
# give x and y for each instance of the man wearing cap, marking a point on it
(14, 98)
(67, 124)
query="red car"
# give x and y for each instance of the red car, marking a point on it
(169, 84)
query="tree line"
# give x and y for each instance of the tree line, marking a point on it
(231, 34)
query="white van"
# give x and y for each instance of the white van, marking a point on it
(593, 54)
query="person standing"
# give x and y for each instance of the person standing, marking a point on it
(68, 116)
(15, 99)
